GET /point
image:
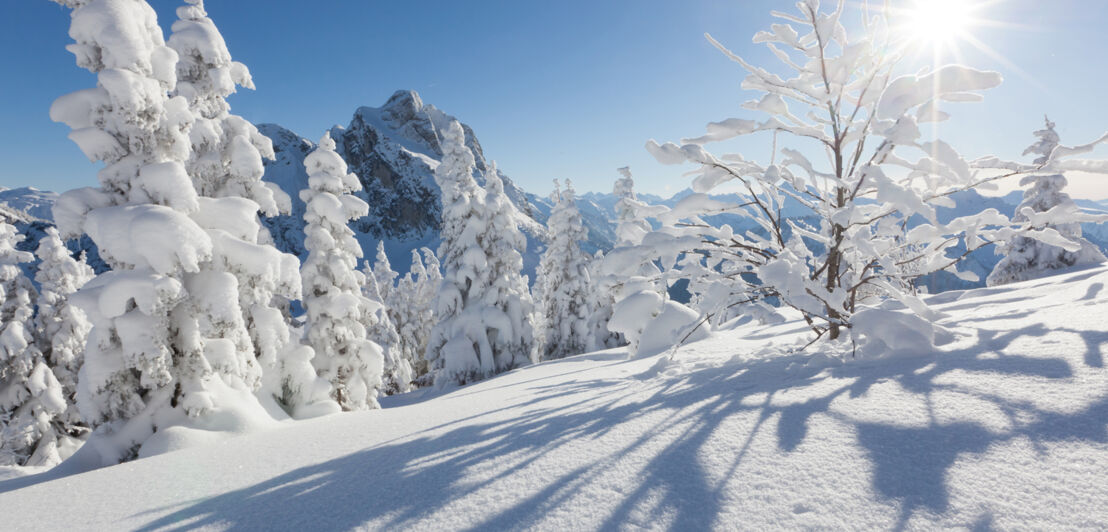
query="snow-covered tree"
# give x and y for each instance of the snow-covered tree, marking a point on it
(385, 276)
(1026, 258)
(337, 312)
(483, 309)
(61, 329)
(616, 285)
(600, 304)
(835, 94)
(225, 164)
(562, 281)
(397, 374)
(31, 398)
(150, 362)
(413, 302)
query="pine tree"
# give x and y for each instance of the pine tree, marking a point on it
(337, 312)
(413, 303)
(601, 303)
(563, 282)
(1027, 258)
(31, 398)
(383, 272)
(397, 375)
(62, 329)
(483, 310)
(148, 364)
(226, 165)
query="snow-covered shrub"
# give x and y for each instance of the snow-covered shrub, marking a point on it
(484, 308)
(337, 312)
(61, 329)
(1026, 258)
(32, 404)
(397, 373)
(842, 96)
(225, 163)
(562, 283)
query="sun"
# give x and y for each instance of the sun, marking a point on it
(939, 23)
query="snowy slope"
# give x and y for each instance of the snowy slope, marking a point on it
(1005, 427)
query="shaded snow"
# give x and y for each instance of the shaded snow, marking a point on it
(1004, 427)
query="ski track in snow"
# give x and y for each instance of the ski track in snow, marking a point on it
(1004, 428)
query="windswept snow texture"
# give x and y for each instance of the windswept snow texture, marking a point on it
(1004, 427)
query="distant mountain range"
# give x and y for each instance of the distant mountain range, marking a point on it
(394, 150)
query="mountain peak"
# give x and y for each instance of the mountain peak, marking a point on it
(403, 106)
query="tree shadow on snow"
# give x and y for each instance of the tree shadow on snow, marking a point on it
(395, 484)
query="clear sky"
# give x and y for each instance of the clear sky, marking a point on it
(566, 89)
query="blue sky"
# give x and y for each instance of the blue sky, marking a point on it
(568, 89)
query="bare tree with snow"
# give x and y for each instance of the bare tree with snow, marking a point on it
(562, 283)
(1027, 258)
(31, 398)
(337, 312)
(842, 96)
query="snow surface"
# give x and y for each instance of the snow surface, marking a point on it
(1005, 427)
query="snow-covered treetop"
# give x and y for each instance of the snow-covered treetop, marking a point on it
(1048, 140)
(204, 61)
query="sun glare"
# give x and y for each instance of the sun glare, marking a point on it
(938, 22)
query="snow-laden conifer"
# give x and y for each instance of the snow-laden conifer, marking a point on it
(225, 164)
(153, 359)
(397, 373)
(618, 284)
(31, 398)
(337, 312)
(601, 302)
(61, 329)
(385, 276)
(413, 302)
(483, 309)
(562, 282)
(1027, 258)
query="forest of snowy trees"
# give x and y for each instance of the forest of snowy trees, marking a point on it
(201, 323)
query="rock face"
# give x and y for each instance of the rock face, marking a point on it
(394, 150)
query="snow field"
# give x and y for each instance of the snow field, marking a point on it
(1004, 427)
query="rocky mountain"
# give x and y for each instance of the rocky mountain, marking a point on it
(394, 149)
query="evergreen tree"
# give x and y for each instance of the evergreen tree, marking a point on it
(1027, 258)
(31, 398)
(225, 164)
(563, 281)
(397, 376)
(413, 301)
(483, 309)
(152, 359)
(383, 272)
(337, 312)
(62, 329)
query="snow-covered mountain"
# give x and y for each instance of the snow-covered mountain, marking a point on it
(1001, 427)
(394, 149)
